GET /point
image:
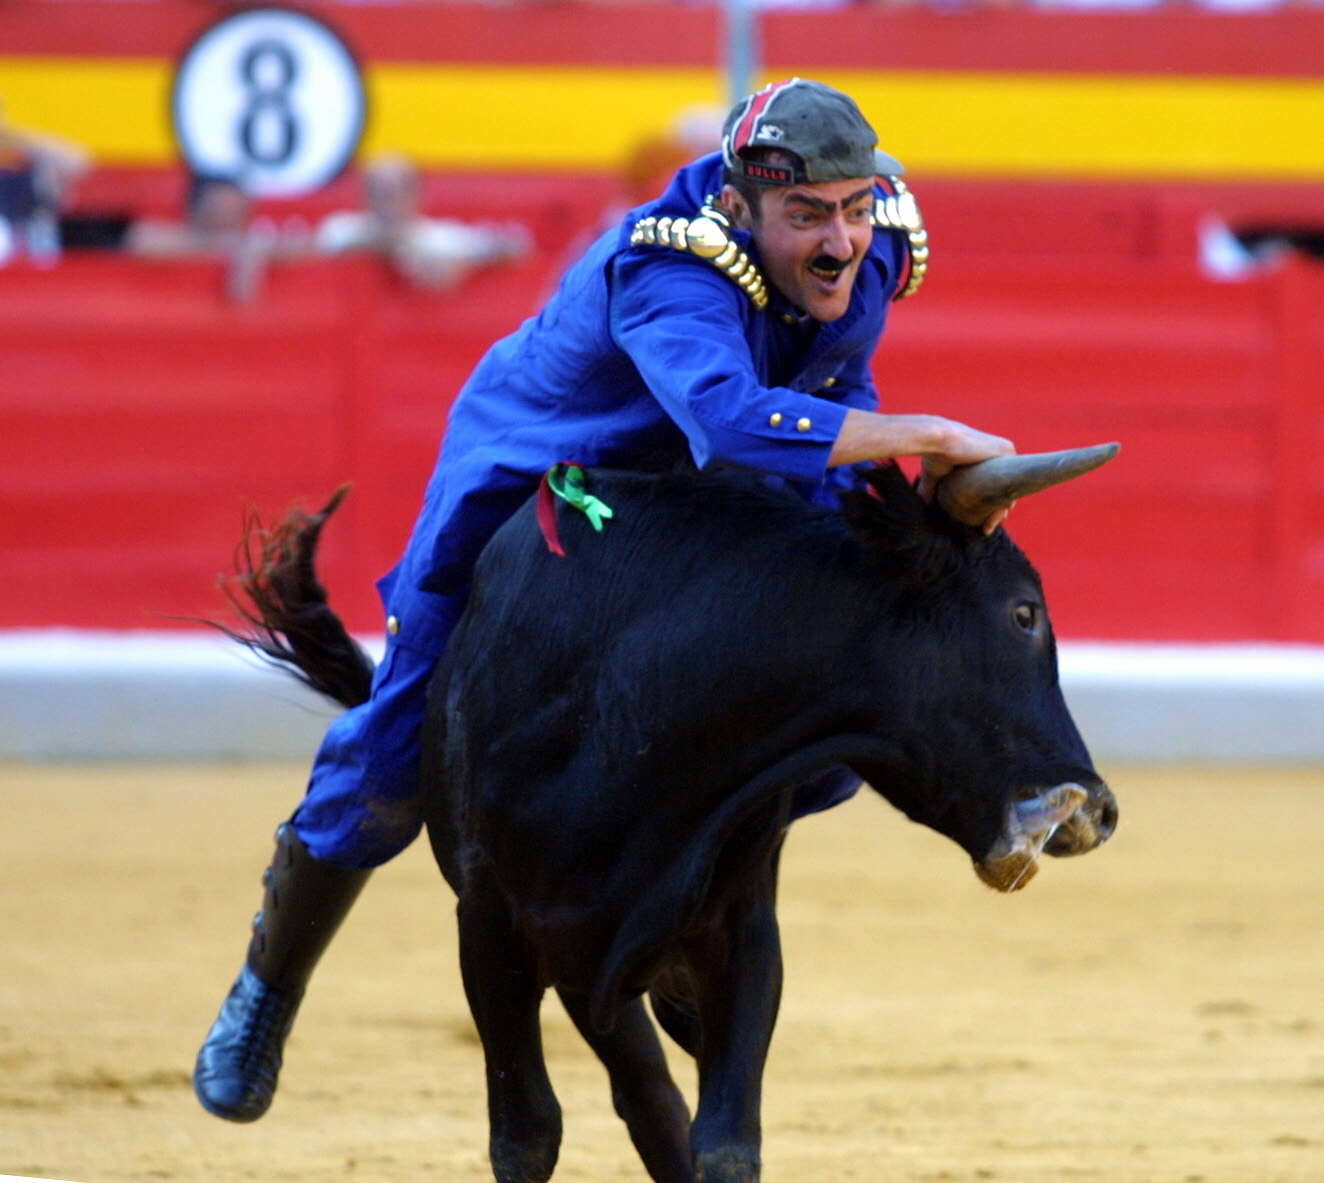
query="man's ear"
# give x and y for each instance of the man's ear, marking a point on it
(742, 216)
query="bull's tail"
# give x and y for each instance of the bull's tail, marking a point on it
(275, 590)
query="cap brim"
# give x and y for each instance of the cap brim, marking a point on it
(885, 165)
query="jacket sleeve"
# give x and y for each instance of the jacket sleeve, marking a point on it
(683, 324)
(855, 384)
(856, 389)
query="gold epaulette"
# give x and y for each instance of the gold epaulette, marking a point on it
(900, 211)
(708, 236)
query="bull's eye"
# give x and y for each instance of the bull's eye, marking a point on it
(1026, 616)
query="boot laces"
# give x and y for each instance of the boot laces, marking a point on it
(266, 1020)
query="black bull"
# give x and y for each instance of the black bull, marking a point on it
(619, 739)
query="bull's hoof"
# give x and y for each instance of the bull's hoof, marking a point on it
(531, 1156)
(727, 1166)
(522, 1163)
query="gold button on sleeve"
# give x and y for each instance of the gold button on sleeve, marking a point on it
(775, 419)
(803, 424)
(829, 382)
(393, 625)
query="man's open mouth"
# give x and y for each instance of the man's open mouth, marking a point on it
(828, 269)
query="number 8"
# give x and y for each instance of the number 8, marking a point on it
(268, 131)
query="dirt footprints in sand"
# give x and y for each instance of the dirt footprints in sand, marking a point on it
(102, 1080)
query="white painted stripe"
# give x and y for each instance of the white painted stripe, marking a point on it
(1212, 665)
(48, 651)
(51, 650)
(69, 695)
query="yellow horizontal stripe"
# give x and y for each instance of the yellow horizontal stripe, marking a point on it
(548, 117)
(1028, 124)
(116, 108)
(541, 117)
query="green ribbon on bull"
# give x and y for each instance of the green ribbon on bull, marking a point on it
(567, 482)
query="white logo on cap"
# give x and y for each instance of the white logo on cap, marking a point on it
(770, 131)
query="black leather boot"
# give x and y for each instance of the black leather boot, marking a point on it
(304, 903)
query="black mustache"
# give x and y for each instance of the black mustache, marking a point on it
(828, 263)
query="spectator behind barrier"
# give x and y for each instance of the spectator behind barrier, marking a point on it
(37, 175)
(435, 253)
(693, 131)
(217, 224)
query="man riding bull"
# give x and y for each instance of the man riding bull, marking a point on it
(731, 322)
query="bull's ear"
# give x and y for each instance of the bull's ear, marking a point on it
(897, 529)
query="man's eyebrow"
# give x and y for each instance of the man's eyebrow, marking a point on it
(828, 207)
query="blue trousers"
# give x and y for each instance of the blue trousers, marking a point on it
(364, 802)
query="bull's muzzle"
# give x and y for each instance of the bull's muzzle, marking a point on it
(1064, 820)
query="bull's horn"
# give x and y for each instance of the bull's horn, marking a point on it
(970, 493)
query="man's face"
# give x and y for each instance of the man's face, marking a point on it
(393, 194)
(811, 239)
(222, 209)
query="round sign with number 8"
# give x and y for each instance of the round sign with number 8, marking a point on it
(272, 98)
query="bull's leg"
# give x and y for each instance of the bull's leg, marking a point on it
(501, 982)
(738, 971)
(645, 1096)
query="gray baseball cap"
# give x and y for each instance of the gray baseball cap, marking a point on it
(821, 128)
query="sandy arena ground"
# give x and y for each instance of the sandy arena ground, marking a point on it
(1152, 1012)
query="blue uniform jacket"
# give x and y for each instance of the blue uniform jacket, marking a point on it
(643, 355)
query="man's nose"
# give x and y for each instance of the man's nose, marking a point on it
(837, 240)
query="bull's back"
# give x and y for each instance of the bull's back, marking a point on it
(590, 687)
(692, 572)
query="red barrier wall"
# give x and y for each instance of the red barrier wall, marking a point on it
(1210, 526)
(141, 413)
(1280, 41)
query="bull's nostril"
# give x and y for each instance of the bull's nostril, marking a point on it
(1107, 820)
